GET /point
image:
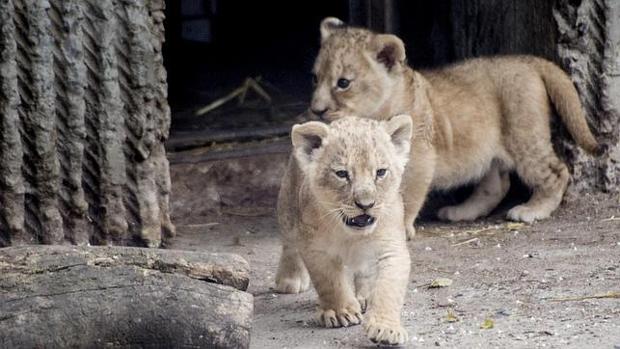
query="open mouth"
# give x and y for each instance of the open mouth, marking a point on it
(361, 221)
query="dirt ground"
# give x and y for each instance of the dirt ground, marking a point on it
(549, 284)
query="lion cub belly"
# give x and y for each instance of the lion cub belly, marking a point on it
(456, 167)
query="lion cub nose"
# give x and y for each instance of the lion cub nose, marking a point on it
(319, 112)
(364, 206)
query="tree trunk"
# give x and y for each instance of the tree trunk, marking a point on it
(89, 297)
(589, 49)
(83, 118)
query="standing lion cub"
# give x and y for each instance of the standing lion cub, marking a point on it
(473, 122)
(341, 217)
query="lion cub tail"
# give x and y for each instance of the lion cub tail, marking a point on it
(566, 101)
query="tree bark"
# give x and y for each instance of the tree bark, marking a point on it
(83, 120)
(589, 49)
(88, 297)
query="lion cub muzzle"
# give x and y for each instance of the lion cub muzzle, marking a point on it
(360, 222)
(364, 200)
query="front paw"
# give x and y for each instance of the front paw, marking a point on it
(296, 284)
(292, 277)
(385, 332)
(341, 317)
(523, 213)
(456, 214)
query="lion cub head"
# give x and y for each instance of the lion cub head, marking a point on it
(353, 166)
(356, 71)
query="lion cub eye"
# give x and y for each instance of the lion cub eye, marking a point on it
(315, 79)
(381, 172)
(342, 174)
(343, 83)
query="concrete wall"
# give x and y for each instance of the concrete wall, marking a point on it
(83, 117)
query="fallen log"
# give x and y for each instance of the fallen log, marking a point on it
(185, 140)
(241, 151)
(85, 297)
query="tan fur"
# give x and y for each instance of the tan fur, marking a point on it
(350, 268)
(475, 121)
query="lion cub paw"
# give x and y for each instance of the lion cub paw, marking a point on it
(457, 214)
(343, 317)
(523, 213)
(292, 285)
(386, 333)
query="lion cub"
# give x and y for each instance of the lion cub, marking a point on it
(475, 121)
(341, 217)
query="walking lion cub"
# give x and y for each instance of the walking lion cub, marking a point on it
(473, 122)
(341, 218)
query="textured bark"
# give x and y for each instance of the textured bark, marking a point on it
(589, 49)
(11, 180)
(83, 119)
(89, 297)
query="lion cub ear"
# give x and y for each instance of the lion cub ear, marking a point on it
(400, 129)
(389, 50)
(328, 26)
(307, 138)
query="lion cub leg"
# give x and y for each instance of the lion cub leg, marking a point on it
(292, 275)
(416, 185)
(486, 196)
(528, 141)
(382, 323)
(363, 281)
(338, 306)
(547, 176)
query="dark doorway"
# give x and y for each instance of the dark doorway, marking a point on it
(214, 46)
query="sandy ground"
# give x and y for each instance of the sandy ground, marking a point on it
(536, 283)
